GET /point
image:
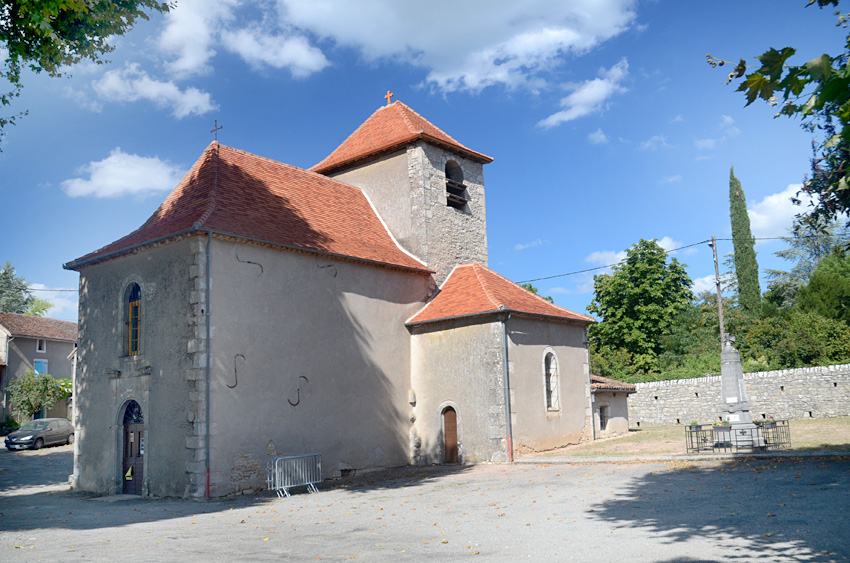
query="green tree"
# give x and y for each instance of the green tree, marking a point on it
(637, 303)
(746, 266)
(14, 291)
(39, 307)
(828, 290)
(818, 92)
(47, 35)
(809, 243)
(15, 296)
(534, 290)
(32, 393)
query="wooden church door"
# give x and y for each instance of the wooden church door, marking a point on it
(450, 435)
(132, 467)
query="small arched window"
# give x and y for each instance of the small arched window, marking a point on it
(456, 194)
(550, 368)
(132, 319)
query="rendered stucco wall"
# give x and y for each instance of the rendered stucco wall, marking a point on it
(816, 392)
(618, 413)
(409, 191)
(309, 355)
(156, 378)
(535, 427)
(458, 364)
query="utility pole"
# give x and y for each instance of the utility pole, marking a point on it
(713, 245)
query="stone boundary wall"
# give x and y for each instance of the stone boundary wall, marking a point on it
(817, 392)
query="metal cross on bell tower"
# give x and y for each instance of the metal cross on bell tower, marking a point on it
(216, 128)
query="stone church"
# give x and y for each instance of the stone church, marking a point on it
(345, 310)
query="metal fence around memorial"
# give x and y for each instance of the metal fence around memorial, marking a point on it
(762, 436)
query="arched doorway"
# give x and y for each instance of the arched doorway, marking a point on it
(450, 435)
(132, 466)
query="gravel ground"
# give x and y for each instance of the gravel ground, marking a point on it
(748, 510)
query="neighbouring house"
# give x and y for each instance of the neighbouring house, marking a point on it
(610, 406)
(40, 344)
(345, 310)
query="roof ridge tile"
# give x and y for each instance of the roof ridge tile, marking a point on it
(484, 286)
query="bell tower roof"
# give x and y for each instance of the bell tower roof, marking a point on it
(389, 128)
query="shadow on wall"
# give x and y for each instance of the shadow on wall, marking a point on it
(740, 505)
(308, 345)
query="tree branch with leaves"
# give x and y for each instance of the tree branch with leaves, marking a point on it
(51, 35)
(818, 92)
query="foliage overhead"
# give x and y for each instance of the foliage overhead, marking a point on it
(818, 92)
(746, 266)
(637, 303)
(47, 35)
(32, 393)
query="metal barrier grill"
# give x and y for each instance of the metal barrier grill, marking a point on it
(285, 472)
(764, 436)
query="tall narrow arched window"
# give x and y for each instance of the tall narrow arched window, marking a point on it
(456, 194)
(132, 319)
(550, 368)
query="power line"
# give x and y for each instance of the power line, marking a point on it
(666, 252)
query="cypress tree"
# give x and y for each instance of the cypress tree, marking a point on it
(746, 266)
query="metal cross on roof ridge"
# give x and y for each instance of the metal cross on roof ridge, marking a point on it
(389, 97)
(215, 130)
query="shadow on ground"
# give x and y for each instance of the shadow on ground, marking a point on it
(789, 509)
(34, 493)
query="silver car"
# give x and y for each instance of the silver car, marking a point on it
(41, 432)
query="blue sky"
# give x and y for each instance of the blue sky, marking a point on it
(605, 122)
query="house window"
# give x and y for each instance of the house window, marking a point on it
(550, 368)
(603, 418)
(40, 367)
(456, 194)
(132, 319)
(41, 345)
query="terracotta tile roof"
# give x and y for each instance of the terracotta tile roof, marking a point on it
(235, 193)
(39, 327)
(472, 289)
(391, 127)
(599, 383)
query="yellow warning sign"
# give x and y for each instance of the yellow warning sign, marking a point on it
(129, 475)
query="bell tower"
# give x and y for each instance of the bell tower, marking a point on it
(427, 187)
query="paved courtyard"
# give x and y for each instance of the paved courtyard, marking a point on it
(756, 510)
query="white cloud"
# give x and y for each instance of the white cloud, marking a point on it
(705, 283)
(122, 174)
(466, 45)
(605, 257)
(590, 96)
(774, 214)
(705, 144)
(675, 179)
(656, 142)
(131, 84)
(598, 137)
(677, 119)
(65, 303)
(531, 244)
(277, 51)
(83, 99)
(669, 244)
(191, 29)
(727, 124)
(463, 45)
